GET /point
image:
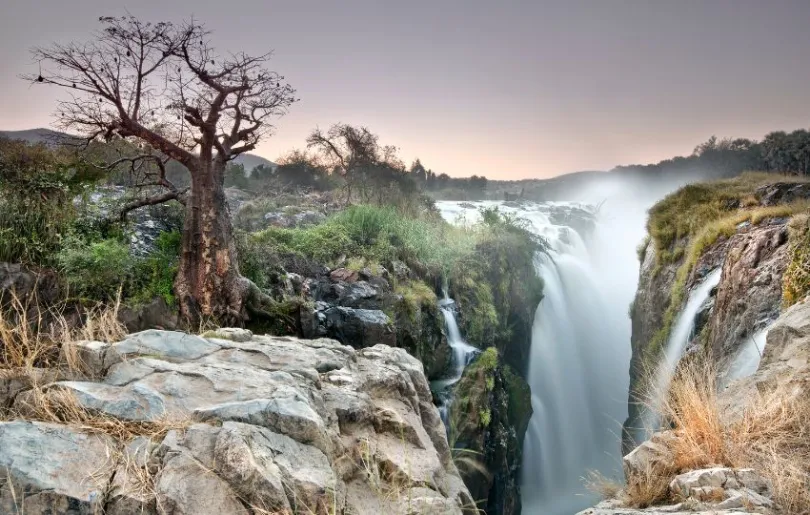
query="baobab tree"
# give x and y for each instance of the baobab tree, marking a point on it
(164, 86)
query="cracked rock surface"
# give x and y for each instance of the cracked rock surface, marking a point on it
(272, 425)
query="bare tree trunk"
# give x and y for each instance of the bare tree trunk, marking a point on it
(208, 283)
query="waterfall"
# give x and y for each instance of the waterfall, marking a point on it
(462, 354)
(679, 337)
(579, 354)
(747, 360)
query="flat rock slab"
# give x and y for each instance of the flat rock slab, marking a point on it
(53, 468)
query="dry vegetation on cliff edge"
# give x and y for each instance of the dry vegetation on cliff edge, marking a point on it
(772, 435)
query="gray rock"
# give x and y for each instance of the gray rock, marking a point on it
(359, 327)
(185, 487)
(282, 425)
(651, 457)
(234, 334)
(53, 469)
(168, 345)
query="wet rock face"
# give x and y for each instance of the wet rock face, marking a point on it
(278, 424)
(749, 295)
(360, 308)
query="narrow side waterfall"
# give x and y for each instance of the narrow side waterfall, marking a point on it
(462, 354)
(747, 360)
(578, 370)
(681, 334)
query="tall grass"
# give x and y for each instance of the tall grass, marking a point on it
(377, 234)
(772, 436)
(796, 279)
(32, 336)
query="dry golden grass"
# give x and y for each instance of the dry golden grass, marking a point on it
(59, 405)
(649, 488)
(32, 336)
(598, 483)
(771, 436)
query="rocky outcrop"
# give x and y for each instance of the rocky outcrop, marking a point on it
(361, 308)
(747, 299)
(785, 362)
(29, 286)
(488, 420)
(749, 295)
(257, 423)
(782, 193)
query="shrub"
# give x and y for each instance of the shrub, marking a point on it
(96, 270)
(37, 186)
(154, 275)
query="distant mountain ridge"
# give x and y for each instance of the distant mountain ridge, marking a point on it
(49, 136)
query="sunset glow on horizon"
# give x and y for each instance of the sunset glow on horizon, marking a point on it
(512, 91)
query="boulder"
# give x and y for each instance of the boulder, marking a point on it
(651, 457)
(359, 327)
(782, 193)
(156, 314)
(50, 468)
(27, 284)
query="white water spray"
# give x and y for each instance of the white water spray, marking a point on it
(746, 362)
(578, 370)
(462, 354)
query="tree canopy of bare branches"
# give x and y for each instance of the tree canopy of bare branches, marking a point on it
(165, 87)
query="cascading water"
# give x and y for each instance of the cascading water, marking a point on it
(680, 336)
(462, 354)
(579, 355)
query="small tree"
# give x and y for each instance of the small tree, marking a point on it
(164, 86)
(350, 151)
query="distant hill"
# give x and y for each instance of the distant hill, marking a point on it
(47, 136)
(52, 137)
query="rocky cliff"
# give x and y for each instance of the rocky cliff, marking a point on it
(228, 422)
(751, 244)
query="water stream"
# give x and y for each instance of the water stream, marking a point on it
(462, 354)
(680, 336)
(746, 362)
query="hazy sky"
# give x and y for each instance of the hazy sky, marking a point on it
(507, 89)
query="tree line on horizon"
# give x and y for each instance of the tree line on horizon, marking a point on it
(778, 152)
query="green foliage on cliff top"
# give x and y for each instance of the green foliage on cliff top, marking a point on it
(796, 279)
(497, 287)
(377, 234)
(681, 215)
(689, 221)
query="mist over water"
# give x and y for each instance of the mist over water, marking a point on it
(580, 354)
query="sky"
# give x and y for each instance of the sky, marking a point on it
(508, 89)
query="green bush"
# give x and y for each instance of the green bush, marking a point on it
(37, 187)
(96, 270)
(155, 274)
